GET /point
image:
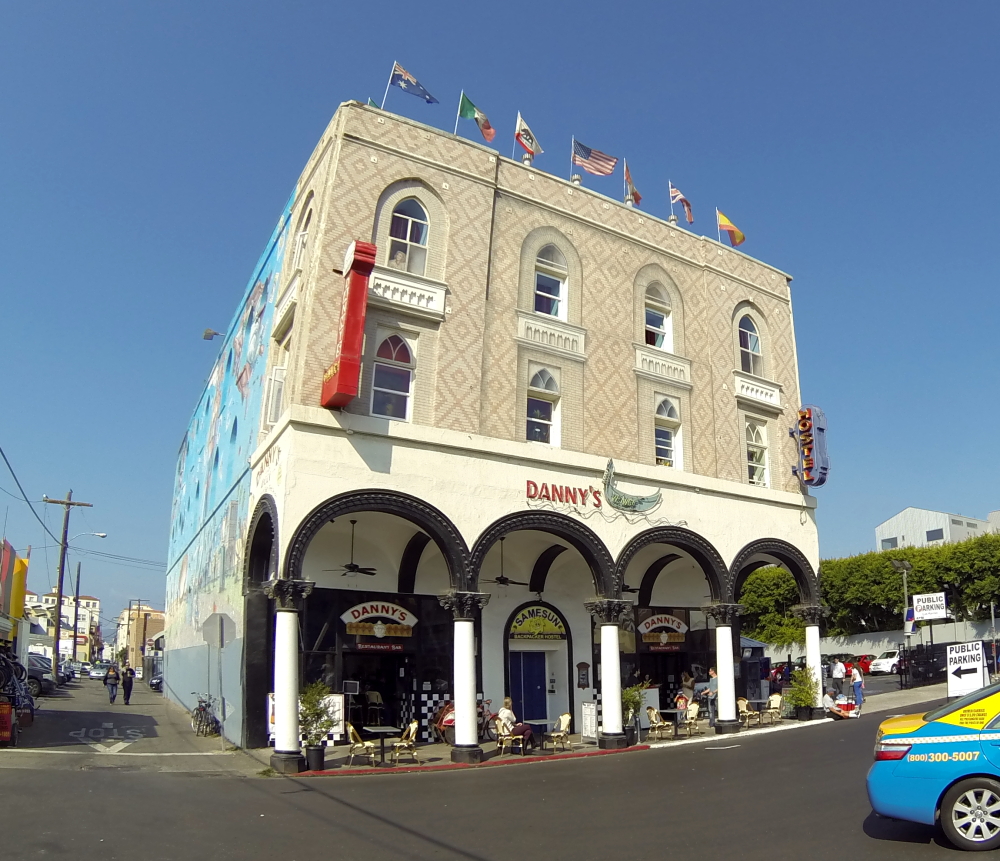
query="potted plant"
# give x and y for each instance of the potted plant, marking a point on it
(315, 722)
(802, 693)
(631, 704)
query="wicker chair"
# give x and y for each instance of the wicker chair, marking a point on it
(406, 744)
(359, 747)
(657, 725)
(505, 739)
(773, 709)
(746, 715)
(690, 722)
(559, 734)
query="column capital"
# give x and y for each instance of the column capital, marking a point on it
(287, 592)
(608, 611)
(464, 605)
(811, 614)
(724, 614)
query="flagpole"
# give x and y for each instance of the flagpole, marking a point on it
(670, 195)
(572, 149)
(624, 178)
(513, 146)
(458, 113)
(388, 84)
(718, 226)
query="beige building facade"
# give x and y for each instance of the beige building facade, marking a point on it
(568, 449)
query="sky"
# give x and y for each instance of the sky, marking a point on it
(146, 151)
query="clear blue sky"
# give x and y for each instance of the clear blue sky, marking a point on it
(147, 149)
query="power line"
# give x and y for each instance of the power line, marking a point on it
(24, 496)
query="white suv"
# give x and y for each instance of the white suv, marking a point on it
(887, 662)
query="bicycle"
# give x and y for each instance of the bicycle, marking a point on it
(203, 719)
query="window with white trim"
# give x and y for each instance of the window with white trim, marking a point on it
(392, 379)
(275, 395)
(756, 436)
(751, 358)
(301, 241)
(659, 326)
(543, 408)
(408, 232)
(667, 434)
(550, 282)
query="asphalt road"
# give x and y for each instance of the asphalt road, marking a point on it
(790, 794)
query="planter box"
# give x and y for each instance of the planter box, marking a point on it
(803, 712)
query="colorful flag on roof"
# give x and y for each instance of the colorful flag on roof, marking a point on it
(677, 197)
(592, 160)
(630, 189)
(470, 112)
(736, 237)
(525, 137)
(372, 103)
(406, 82)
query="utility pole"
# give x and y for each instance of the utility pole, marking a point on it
(76, 610)
(67, 504)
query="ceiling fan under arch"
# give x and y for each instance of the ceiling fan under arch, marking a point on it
(352, 569)
(500, 579)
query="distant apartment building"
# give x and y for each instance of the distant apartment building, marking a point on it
(87, 618)
(138, 626)
(919, 527)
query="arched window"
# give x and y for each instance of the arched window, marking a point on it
(543, 408)
(550, 282)
(408, 237)
(756, 432)
(301, 241)
(659, 328)
(751, 360)
(667, 434)
(393, 379)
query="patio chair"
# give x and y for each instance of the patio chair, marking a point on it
(746, 715)
(375, 708)
(359, 747)
(773, 708)
(559, 734)
(657, 725)
(505, 739)
(690, 722)
(407, 744)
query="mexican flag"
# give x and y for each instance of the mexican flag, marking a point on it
(471, 112)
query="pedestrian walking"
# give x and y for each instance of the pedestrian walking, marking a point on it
(128, 676)
(111, 680)
(712, 696)
(858, 683)
(838, 672)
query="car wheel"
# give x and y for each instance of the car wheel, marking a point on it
(895, 669)
(970, 814)
(35, 687)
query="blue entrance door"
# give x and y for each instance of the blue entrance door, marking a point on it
(527, 685)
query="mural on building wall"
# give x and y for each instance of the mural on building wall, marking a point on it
(212, 484)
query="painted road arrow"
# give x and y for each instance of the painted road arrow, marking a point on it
(964, 671)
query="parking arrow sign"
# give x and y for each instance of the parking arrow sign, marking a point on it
(966, 668)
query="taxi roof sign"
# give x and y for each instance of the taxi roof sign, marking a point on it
(966, 668)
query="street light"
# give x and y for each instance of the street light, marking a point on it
(98, 534)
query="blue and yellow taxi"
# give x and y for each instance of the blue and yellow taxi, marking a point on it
(943, 766)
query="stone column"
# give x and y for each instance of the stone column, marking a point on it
(609, 612)
(287, 595)
(812, 614)
(725, 616)
(464, 606)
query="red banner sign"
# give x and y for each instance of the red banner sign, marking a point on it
(342, 379)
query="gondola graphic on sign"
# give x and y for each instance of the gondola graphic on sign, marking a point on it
(626, 502)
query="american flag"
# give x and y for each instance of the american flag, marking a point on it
(592, 160)
(677, 197)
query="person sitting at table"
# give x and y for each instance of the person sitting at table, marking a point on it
(514, 728)
(832, 709)
(681, 701)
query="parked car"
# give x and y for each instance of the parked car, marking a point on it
(156, 683)
(85, 669)
(97, 671)
(40, 680)
(864, 662)
(66, 671)
(887, 662)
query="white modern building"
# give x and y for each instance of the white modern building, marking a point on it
(920, 527)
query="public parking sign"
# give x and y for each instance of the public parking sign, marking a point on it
(966, 668)
(930, 606)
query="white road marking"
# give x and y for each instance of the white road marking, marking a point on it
(727, 747)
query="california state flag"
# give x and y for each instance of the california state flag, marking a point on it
(524, 136)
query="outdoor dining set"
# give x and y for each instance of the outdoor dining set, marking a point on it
(670, 723)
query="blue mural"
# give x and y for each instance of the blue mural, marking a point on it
(212, 484)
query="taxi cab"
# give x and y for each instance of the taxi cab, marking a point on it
(943, 766)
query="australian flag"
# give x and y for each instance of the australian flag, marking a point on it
(406, 82)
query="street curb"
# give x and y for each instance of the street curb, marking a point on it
(456, 766)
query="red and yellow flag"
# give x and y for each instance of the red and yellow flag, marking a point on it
(736, 236)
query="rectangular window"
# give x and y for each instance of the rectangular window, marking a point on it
(664, 446)
(756, 433)
(971, 525)
(656, 328)
(890, 543)
(300, 249)
(548, 291)
(935, 534)
(276, 391)
(955, 522)
(540, 420)
(391, 392)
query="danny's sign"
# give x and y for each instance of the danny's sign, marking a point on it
(379, 619)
